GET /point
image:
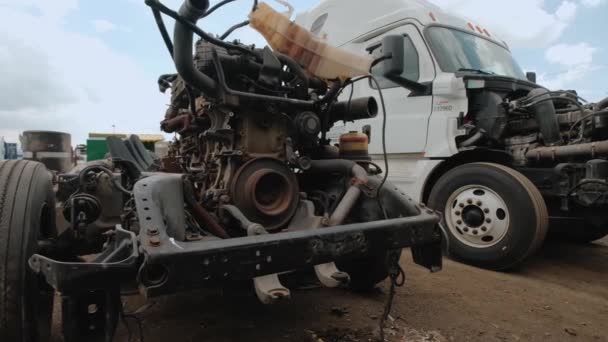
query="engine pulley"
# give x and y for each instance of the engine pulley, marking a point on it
(267, 192)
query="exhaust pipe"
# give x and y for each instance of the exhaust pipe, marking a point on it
(591, 150)
(192, 10)
(357, 109)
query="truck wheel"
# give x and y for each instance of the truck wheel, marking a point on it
(493, 215)
(27, 209)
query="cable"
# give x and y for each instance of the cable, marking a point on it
(156, 4)
(163, 30)
(380, 93)
(234, 28)
(555, 92)
(384, 153)
(397, 276)
(225, 2)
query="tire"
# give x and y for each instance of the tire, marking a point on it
(588, 234)
(494, 216)
(366, 273)
(27, 207)
(593, 226)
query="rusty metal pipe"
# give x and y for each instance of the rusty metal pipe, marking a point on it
(359, 177)
(238, 215)
(345, 206)
(592, 150)
(176, 124)
(201, 214)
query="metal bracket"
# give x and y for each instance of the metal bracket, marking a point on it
(268, 288)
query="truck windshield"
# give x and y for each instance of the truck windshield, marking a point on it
(457, 50)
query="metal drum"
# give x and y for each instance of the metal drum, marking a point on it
(53, 149)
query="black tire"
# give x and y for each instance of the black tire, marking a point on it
(510, 234)
(27, 207)
(593, 226)
(366, 273)
(588, 234)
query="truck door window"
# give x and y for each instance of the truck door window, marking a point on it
(411, 68)
(318, 24)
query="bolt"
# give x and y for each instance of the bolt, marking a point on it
(486, 210)
(459, 222)
(457, 213)
(470, 201)
(478, 203)
(466, 230)
(484, 229)
(475, 232)
(461, 205)
(154, 241)
(488, 220)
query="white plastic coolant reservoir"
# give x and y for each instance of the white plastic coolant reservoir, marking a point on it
(313, 53)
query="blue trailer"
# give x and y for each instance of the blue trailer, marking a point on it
(10, 151)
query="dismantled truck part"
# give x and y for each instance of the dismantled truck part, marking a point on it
(250, 192)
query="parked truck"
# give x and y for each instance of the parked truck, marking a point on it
(470, 134)
(246, 192)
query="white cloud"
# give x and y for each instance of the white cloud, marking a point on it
(56, 79)
(592, 3)
(570, 54)
(102, 25)
(521, 23)
(566, 11)
(576, 61)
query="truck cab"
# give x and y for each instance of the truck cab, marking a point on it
(462, 123)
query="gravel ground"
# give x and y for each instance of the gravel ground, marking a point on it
(561, 295)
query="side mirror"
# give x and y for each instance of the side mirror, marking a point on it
(392, 60)
(397, 60)
(531, 76)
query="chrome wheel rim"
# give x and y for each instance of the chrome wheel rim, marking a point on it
(477, 216)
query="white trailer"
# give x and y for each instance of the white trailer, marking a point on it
(470, 134)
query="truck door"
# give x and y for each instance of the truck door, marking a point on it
(407, 114)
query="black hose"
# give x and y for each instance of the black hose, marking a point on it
(294, 67)
(182, 51)
(190, 25)
(571, 95)
(602, 104)
(570, 99)
(225, 2)
(234, 28)
(163, 30)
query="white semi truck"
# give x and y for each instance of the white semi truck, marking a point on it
(470, 134)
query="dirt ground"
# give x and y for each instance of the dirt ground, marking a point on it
(561, 295)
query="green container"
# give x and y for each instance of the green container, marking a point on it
(96, 149)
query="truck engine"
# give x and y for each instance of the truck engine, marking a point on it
(555, 138)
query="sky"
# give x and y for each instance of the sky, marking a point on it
(83, 66)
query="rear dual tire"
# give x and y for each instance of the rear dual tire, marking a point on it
(493, 216)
